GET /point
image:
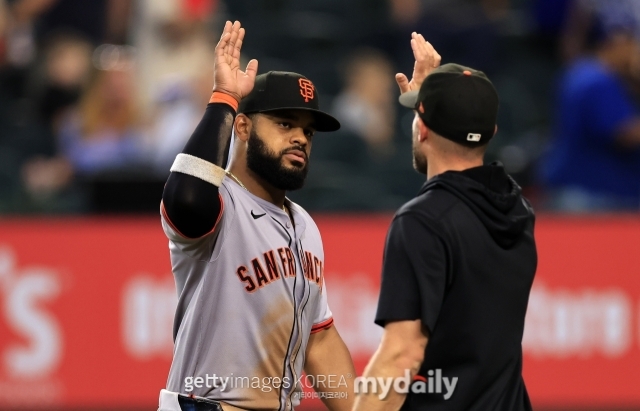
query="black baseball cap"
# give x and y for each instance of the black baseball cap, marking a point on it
(457, 102)
(281, 90)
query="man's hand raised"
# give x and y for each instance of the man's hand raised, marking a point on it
(227, 76)
(427, 60)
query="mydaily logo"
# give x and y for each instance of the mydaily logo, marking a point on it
(433, 384)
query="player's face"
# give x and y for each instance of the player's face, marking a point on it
(279, 146)
(419, 159)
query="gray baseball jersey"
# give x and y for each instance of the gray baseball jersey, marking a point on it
(250, 294)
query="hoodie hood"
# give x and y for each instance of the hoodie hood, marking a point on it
(493, 196)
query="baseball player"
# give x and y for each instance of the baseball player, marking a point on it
(252, 313)
(459, 259)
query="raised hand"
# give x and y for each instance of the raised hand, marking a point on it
(227, 76)
(427, 60)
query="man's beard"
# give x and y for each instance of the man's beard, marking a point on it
(419, 161)
(268, 165)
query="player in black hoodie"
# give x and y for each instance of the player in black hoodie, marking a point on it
(459, 259)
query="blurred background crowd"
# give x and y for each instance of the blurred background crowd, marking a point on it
(97, 97)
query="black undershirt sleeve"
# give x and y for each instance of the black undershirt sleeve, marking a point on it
(414, 273)
(193, 205)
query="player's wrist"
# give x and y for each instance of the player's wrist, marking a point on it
(220, 96)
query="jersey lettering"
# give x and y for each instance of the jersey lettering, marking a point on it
(277, 268)
(259, 273)
(241, 273)
(283, 259)
(291, 262)
(272, 267)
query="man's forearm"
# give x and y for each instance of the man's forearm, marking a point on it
(330, 367)
(211, 139)
(192, 205)
(384, 396)
(399, 356)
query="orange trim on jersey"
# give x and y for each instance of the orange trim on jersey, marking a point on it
(220, 97)
(168, 220)
(322, 326)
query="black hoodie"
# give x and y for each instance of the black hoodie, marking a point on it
(461, 257)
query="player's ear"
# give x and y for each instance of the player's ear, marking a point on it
(242, 127)
(423, 130)
(495, 130)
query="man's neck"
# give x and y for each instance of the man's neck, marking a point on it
(436, 167)
(256, 185)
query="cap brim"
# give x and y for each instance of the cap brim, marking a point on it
(323, 121)
(409, 99)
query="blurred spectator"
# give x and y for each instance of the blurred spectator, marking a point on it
(19, 35)
(176, 114)
(30, 23)
(586, 17)
(36, 85)
(175, 72)
(366, 106)
(105, 132)
(64, 75)
(175, 47)
(593, 163)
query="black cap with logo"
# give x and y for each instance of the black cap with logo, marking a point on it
(280, 90)
(457, 102)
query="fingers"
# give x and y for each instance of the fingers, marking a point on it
(427, 60)
(238, 45)
(424, 52)
(419, 47)
(435, 57)
(252, 69)
(224, 40)
(222, 46)
(403, 83)
(226, 29)
(423, 59)
(235, 31)
(419, 51)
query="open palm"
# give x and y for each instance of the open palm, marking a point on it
(427, 60)
(227, 77)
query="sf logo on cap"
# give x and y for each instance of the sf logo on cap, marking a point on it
(306, 89)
